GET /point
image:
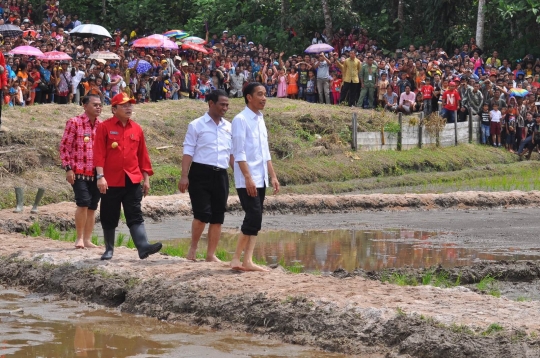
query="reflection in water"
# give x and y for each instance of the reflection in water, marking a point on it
(31, 326)
(367, 249)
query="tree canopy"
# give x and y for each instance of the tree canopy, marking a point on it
(512, 27)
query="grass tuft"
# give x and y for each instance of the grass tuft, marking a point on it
(492, 328)
(489, 285)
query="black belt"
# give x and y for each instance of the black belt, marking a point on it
(210, 167)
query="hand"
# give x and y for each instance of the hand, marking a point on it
(102, 185)
(250, 187)
(183, 184)
(462, 109)
(70, 177)
(362, 85)
(275, 184)
(146, 187)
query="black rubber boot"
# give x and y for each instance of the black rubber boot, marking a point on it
(138, 235)
(19, 194)
(108, 237)
(39, 196)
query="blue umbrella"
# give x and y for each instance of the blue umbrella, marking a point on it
(142, 67)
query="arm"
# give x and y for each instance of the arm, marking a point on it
(144, 163)
(184, 181)
(239, 153)
(66, 146)
(273, 178)
(250, 184)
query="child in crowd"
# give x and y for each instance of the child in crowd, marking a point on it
(107, 95)
(486, 122)
(17, 94)
(303, 80)
(510, 124)
(311, 87)
(335, 87)
(381, 88)
(495, 125)
(427, 95)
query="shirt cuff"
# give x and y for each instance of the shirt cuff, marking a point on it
(240, 157)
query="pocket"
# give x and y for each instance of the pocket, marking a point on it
(134, 141)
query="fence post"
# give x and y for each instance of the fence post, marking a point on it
(354, 139)
(470, 127)
(420, 126)
(455, 127)
(400, 133)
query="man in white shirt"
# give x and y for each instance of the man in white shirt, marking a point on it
(207, 155)
(252, 168)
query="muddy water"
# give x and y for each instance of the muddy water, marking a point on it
(40, 326)
(349, 249)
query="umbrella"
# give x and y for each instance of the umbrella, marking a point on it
(194, 39)
(26, 50)
(30, 33)
(155, 42)
(176, 33)
(142, 67)
(194, 47)
(318, 48)
(518, 92)
(89, 30)
(10, 31)
(104, 55)
(55, 56)
(167, 43)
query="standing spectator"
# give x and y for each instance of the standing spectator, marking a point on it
(495, 126)
(450, 102)
(369, 75)
(292, 83)
(486, 123)
(323, 75)
(63, 82)
(122, 165)
(381, 88)
(350, 70)
(427, 95)
(335, 87)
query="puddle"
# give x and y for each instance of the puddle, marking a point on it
(39, 326)
(349, 249)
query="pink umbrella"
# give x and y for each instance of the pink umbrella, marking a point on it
(26, 50)
(55, 56)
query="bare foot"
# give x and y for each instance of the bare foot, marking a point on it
(213, 258)
(192, 254)
(253, 267)
(236, 265)
(79, 244)
(90, 245)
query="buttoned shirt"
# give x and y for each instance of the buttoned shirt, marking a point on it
(351, 68)
(121, 151)
(209, 143)
(76, 147)
(250, 144)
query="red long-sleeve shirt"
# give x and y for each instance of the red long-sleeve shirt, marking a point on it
(130, 155)
(3, 76)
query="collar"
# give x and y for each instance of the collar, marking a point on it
(116, 121)
(252, 114)
(207, 118)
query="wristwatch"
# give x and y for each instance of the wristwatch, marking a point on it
(99, 176)
(67, 168)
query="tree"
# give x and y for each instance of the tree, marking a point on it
(327, 20)
(480, 24)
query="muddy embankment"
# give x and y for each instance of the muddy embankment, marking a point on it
(160, 207)
(342, 312)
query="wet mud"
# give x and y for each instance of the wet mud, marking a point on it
(294, 319)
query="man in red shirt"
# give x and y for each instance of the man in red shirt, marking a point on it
(427, 95)
(3, 82)
(122, 163)
(450, 102)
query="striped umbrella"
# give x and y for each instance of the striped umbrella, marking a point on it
(518, 92)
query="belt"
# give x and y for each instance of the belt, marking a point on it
(211, 167)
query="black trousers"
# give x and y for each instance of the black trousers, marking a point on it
(129, 197)
(350, 91)
(208, 190)
(1, 104)
(253, 207)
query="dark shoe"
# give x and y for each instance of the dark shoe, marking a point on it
(39, 196)
(19, 194)
(108, 237)
(138, 235)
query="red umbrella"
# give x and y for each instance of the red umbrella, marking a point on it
(147, 42)
(55, 56)
(31, 33)
(194, 47)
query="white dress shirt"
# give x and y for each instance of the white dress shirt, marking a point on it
(208, 143)
(250, 144)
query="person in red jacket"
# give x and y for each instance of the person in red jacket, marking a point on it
(451, 102)
(122, 165)
(3, 83)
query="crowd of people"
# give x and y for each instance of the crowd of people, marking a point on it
(357, 72)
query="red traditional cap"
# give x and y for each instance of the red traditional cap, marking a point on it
(121, 98)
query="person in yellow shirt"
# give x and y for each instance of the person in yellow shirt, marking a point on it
(350, 68)
(494, 60)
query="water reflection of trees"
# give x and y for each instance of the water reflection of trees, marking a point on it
(370, 250)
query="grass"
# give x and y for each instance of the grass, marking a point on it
(493, 328)
(489, 285)
(120, 239)
(309, 143)
(429, 277)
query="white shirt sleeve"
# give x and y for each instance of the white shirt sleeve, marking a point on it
(239, 139)
(190, 142)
